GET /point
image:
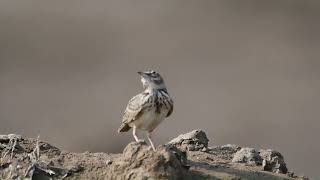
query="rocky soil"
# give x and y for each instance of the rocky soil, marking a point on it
(185, 157)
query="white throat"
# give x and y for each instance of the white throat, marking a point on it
(150, 87)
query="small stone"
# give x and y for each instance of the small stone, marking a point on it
(197, 138)
(273, 161)
(248, 156)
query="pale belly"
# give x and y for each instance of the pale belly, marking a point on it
(149, 120)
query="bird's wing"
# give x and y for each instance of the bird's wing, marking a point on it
(171, 108)
(135, 107)
(169, 104)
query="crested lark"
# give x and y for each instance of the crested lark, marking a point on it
(148, 109)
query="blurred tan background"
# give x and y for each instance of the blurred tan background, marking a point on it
(247, 72)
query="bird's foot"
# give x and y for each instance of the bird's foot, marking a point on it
(152, 148)
(140, 141)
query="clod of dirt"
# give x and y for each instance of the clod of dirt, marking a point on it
(273, 161)
(192, 141)
(248, 156)
(139, 161)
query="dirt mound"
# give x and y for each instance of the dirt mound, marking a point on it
(185, 157)
(138, 161)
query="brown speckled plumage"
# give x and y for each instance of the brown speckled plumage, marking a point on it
(148, 109)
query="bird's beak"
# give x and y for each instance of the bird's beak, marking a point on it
(143, 74)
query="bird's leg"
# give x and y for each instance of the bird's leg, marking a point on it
(134, 133)
(150, 140)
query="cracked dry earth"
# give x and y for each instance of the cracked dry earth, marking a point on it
(185, 157)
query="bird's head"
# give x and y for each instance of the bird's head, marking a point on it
(151, 80)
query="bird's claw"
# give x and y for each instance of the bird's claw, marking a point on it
(151, 148)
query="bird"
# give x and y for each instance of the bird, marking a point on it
(148, 109)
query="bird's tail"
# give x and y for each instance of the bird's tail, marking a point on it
(124, 128)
